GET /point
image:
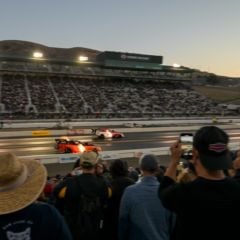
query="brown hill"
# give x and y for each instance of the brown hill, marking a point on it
(25, 49)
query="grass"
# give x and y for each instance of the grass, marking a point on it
(220, 94)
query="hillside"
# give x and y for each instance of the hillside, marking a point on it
(26, 49)
(220, 94)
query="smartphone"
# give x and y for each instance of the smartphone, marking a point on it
(186, 140)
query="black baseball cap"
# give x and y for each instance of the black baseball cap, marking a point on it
(212, 145)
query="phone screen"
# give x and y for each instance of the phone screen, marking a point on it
(186, 139)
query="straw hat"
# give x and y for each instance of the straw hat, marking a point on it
(21, 182)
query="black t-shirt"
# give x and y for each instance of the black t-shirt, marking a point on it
(206, 209)
(39, 221)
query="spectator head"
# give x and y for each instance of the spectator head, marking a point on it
(211, 144)
(21, 182)
(58, 177)
(148, 163)
(99, 169)
(118, 168)
(134, 175)
(88, 160)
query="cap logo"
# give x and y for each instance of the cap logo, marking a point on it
(217, 147)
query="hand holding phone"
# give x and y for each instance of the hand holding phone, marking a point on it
(176, 151)
(186, 140)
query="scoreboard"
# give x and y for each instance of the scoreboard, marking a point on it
(129, 60)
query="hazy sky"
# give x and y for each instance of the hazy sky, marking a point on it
(202, 34)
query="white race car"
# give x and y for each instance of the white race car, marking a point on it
(108, 133)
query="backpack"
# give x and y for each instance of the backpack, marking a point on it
(88, 223)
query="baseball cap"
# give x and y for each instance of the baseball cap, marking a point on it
(89, 159)
(212, 145)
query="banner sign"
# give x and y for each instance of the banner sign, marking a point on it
(73, 132)
(68, 159)
(40, 133)
(108, 156)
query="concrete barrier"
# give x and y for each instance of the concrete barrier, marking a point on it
(106, 122)
(106, 155)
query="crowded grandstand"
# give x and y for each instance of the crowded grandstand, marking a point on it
(61, 83)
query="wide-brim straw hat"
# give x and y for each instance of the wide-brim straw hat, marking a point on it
(21, 182)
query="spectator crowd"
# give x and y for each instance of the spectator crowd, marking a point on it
(33, 90)
(36, 96)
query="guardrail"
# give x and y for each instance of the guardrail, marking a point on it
(80, 131)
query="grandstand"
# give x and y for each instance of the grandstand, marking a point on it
(107, 85)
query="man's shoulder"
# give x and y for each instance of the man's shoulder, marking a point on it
(90, 178)
(122, 181)
(134, 188)
(37, 210)
(43, 208)
(201, 184)
(234, 182)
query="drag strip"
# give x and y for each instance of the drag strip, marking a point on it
(45, 145)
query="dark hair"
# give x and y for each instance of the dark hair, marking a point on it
(134, 175)
(118, 168)
(149, 163)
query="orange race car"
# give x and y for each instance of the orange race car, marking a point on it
(65, 145)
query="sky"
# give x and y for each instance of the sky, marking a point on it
(201, 34)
